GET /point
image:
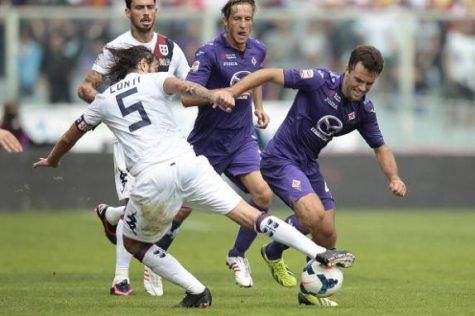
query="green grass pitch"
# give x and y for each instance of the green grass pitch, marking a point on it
(408, 263)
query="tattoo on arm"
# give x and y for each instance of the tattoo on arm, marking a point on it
(194, 90)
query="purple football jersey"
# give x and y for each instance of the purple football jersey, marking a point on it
(319, 113)
(218, 65)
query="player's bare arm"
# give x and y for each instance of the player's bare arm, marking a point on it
(88, 88)
(388, 165)
(9, 142)
(222, 98)
(263, 119)
(258, 78)
(63, 146)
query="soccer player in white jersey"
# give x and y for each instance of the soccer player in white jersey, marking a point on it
(168, 174)
(141, 14)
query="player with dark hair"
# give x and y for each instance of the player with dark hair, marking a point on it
(229, 140)
(327, 105)
(171, 58)
(168, 174)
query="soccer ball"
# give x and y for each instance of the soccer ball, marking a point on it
(321, 280)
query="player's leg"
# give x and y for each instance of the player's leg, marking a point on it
(156, 192)
(205, 187)
(261, 197)
(153, 282)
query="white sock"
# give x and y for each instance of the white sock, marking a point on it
(286, 234)
(113, 214)
(165, 265)
(122, 256)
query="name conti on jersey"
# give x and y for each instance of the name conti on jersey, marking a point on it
(124, 84)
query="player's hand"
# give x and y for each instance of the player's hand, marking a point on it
(263, 118)
(397, 187)
(9, 142)
(44, 162)
(223, 99)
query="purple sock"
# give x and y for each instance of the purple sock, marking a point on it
(244, 238)
(167, 240)
(275, 249)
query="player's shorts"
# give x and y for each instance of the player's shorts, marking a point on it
(244, 160)
(161, 189)
(124, 182)
(290, 183)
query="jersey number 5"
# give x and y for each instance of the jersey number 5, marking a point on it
(126, 110)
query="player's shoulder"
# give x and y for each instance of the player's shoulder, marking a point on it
(121, 40)
(257, 44)
(368, 105)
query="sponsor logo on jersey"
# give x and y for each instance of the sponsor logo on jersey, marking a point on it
(326, 127)
(333, 99)
(229, 63)
(236, 78)
(164, 61)
(296, 184)
(163, 49)
(195, 66)
(306, 73)
(351, 116)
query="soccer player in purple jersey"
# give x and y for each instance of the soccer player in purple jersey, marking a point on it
(327, 105)
(228, 140)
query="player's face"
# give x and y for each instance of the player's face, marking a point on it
(358, 82)
(142, 15)
(239, 25)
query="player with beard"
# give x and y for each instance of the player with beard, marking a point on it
(168, 173)
(171, 59)
(229, 140)
(327, 105)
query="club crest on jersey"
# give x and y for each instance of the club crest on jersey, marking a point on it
(253, 61)
(195, 66)
(351, 116)
(163, 49)
(296, 184)
(306, 73)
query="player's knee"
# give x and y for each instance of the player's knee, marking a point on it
(263, 197)
(182, 214)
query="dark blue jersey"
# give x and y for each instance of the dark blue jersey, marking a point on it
(218, 65)
(319, 113)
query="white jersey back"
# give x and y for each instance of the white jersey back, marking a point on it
(138, 112)
(178, 65)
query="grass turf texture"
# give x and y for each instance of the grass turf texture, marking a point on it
(408, 263)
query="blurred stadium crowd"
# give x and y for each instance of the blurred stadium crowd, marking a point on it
(54, 54)
(460, 6)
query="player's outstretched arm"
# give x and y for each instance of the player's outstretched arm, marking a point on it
(222, 98)
(387, 162)
(88, 88)
(67, 141)
(258, 78)
(9, 142)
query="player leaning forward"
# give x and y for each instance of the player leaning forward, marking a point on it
(137, 109)
(327, 105)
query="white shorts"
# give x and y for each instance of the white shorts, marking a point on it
(124, 182)
(161, 189)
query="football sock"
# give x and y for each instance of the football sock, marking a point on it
(245, 237)
(122, 256)
(275, 249)
(167, 240)
(114, 214)
(165, 265)
(282, 232)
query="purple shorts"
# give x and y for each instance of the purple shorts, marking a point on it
(243, 160)
(290, 182)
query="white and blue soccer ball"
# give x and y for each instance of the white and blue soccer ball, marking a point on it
(321, 280)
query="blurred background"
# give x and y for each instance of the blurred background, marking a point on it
(425, 97)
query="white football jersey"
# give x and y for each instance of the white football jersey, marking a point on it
(138, 112)
(178, 66)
